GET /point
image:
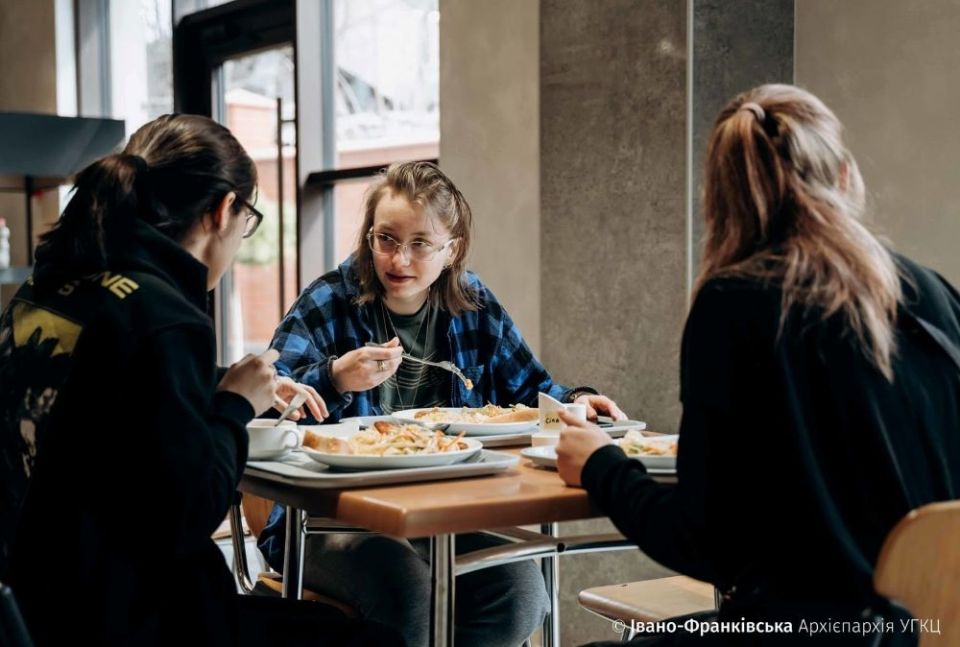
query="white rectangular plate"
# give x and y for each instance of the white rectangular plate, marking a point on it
(299, 469)
(546, 456)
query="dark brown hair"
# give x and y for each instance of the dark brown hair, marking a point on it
(426, 186)
(173, 170)
(784, 201)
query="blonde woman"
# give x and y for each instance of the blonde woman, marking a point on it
(820, 387)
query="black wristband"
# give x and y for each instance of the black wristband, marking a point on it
(581, 390)
(330, 360)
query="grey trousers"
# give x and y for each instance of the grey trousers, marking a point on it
(388, 581)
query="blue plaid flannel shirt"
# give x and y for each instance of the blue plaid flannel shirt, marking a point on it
(325, 323)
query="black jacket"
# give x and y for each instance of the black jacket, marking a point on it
(132, 457)
(796, 456)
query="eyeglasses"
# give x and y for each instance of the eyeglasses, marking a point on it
(254, 218)
(417, 250)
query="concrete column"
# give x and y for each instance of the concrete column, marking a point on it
(737, 45)
(573, 128)
(490, 142)
(614, 229)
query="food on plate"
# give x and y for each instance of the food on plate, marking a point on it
(490, 414)
(325, 444)
(636, 444)
(387, 439)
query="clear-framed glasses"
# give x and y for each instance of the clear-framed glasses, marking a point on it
(254, 218)
(417, 250)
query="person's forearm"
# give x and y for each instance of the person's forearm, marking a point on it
(646, 512)
(319, 375)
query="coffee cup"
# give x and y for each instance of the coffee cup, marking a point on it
(269, 440)
(550, 422)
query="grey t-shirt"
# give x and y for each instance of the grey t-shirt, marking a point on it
(413, 386)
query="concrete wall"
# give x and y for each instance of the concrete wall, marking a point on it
(737, 45)
(613, 173)
(614, 230)
(608, 86)
(888, 70)
(489, 142)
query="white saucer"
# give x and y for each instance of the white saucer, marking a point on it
(269, 455)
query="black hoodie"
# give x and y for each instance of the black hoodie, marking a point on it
(796, 456)
(108, 409)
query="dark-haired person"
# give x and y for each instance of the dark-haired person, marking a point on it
(820, 399)
(406, 286)
(121, 442)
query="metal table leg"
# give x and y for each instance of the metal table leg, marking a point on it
(442, 553)
(551, 577)
(293, 553)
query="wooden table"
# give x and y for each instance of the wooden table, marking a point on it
(525, 495)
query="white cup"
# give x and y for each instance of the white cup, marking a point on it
(268, 440)
(544, 438)
(551, 424)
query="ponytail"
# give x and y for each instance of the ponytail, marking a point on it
(174, 170)
(99, 216)
(784, 202)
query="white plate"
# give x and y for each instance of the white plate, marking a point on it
(471, 429)
(360, 462)
(542, 455)
(669, 462)
(367, 421)
(269, 455)
(546, 456)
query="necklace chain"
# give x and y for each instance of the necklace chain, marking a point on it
(388, 320)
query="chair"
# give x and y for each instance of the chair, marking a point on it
(648, 601)
(919, 567)
(256, 510)
(13, 630)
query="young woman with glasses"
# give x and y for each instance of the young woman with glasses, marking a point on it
(406, 288)
(114, 412)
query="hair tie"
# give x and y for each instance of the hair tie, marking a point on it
(756, 110)
(140, 163)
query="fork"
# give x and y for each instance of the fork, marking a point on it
(447, 366)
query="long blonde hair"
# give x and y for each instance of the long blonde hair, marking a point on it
(784, 201)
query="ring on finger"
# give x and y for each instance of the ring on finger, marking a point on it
(380, 366)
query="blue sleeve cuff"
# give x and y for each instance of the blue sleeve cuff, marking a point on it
(334, 399)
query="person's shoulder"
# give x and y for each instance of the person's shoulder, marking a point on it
(731, 307)
(723, 292)
(472, 281)
(481, 294)
(154, 303)
(340, 284)
(927, 293)
(918, 279)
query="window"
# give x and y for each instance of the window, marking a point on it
(386, 98)
(257, 96)
(124, 60)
